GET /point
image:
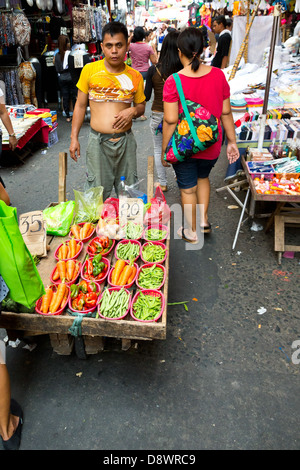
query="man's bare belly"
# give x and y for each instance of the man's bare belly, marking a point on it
(103, 116)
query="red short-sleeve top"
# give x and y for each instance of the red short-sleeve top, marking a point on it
(210, 91)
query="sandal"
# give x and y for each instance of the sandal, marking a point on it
(13, 443)
(205, 228)
(143, 118)
(180, 233)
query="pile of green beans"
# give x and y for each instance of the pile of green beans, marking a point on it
(151, 277)
(147, 307)
(133, 231)
(153, 253)
(155, 234)
(128, 251)
(115, 303)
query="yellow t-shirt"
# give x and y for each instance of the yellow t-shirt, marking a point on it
(101, 85)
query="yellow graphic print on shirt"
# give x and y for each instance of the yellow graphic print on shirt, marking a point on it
(127, 86)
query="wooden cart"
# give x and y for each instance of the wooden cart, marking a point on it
(93, 330)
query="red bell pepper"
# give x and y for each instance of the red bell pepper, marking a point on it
(90, 299)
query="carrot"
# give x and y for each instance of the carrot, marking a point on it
(70, 267)
(76, 271)
(61, 267)
(123, 279)
(72, 248)
(75, 230)
(65, 298)
(77, 248)
(117, 271)
(90, 230)
(86, 229)
(58, 298)
(132, 274)
(81, 233)
(64, 250)
(46, 300)
(55, 275)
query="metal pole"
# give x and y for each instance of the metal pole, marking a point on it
(276, 21)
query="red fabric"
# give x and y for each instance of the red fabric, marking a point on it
(39, 131)
(210, 91)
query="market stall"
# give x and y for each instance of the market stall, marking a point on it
(86, 329)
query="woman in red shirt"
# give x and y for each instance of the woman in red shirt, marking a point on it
(207, 86)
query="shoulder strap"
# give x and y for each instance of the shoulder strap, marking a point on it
(159, 73)
(185, 109)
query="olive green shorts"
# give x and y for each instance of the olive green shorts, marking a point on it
(108, 160)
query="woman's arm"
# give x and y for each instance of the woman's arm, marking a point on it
(149, 84)
(228, 124)
(4, 116)
(169, 126)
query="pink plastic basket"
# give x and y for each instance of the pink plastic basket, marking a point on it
(74, 257)
(135, 242)
(106, 261)
(81, 224)
(67, 283)
(83, 312)
(59, 312)
(102, 253)
(127, 311)
(154, 262)
(156, 227)
(149, 265)
(126, 285)
(153, 292)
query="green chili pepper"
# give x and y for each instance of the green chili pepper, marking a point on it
(74, 291)
(97, 259)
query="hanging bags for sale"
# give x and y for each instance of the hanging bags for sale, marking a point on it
(16, 263)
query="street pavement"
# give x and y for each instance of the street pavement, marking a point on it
(227, 374)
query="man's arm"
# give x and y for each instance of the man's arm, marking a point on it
(224, 62)
(77, 121)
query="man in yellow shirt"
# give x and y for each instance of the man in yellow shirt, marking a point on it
(115, 93)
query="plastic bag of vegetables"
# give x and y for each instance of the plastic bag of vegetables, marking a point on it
(88, 205)
(59, 218)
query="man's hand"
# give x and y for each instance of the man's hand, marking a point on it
(123, 118)
(232, 152)
(74, 149)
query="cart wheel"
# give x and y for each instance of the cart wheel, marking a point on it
(79, 347)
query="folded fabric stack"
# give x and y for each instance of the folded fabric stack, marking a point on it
(238, 103)
(45, 114)
(254, 101)
(54, 119)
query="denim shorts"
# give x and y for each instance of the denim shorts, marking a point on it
(188, 172)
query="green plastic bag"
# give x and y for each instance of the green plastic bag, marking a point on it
(88, 205)
(59, 218)
(16, 263)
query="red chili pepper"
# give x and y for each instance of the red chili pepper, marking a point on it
(92, 247)
(91, 287)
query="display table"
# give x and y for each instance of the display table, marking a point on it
(36, 130)
(291, 214)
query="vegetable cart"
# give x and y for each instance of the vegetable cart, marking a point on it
(86, 334)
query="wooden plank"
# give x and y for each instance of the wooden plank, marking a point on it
(279, 233)
(62, 344)
(150, 178)
(62, 173)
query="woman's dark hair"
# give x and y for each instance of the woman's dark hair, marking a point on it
(115, 27)
(138, 34)
(190, 43)
(63, 43)
(169, 61)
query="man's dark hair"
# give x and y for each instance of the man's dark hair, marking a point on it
(220, 19)
(229, 22)
(115, 27)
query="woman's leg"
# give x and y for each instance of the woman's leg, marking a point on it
(189, 207)
(203, 195)
(156, 119)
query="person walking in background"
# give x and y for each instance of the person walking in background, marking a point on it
(168, 63)
(221, 56)
(207, 86)
(140, 54)
(66, 85)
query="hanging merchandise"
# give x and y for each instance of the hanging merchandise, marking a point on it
(22, 29)
(13, 89)
(27, 76)
(7, 35)
(81, 24)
